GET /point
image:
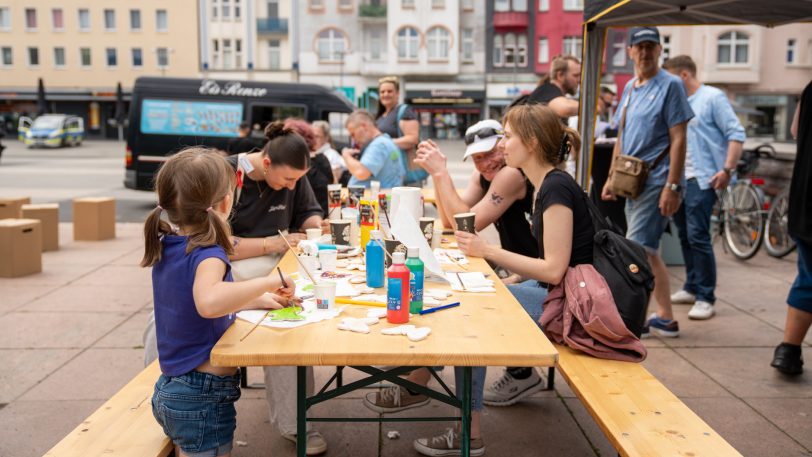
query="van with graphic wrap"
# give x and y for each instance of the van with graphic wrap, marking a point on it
(169, 114)
(54, 130)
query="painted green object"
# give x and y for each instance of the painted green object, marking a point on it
(286, 314)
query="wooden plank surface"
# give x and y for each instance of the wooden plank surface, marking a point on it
(488, 329)
(638, 414)
(123, 426)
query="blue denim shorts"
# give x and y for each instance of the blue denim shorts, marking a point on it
(196, 411)
(645, 222)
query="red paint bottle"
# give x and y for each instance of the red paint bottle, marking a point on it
(397, 290)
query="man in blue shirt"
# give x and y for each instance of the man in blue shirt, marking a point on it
(715, 138)
(656, 118)
(380, 156)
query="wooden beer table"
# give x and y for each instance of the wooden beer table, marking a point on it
(487, 329)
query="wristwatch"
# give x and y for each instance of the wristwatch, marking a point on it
(728, 171)
(673, 187)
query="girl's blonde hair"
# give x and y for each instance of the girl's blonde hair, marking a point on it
(539, 128)
(188, 185)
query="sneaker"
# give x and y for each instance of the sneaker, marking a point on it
(701, 310)
(394, 399)
(508, 390)
(447, 444)
(661, 327)
(787, 359)
(682, 297)
(315, 442)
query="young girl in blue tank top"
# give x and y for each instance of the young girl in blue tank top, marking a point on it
(195, 300)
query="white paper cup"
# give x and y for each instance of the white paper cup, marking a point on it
(325, 292)
(437, 238)
(313, 234)
(310, 262)
(328, 259)
(334, 201)
(374, 189)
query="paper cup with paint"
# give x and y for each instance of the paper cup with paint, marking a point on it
(356, 193)
(340, 231)
(334, 201)
(393, 246)
(325, 294)
(313, 234)
(308, 261)
(427, 227)
(465, 222)
(328, 259)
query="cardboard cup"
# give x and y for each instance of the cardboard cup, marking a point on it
(325, 294)
(437, 238)
(334, 201)
(313, 234)
(393, 246)
(340, 231)
(310, 262)
(465, 222)
(427, 227)
(356, 193)
(328, 259)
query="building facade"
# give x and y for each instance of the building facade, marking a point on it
(82, 50)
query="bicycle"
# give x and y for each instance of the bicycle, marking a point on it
(741, 209)
(777, 241)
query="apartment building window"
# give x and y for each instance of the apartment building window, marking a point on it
(215, 9)
(520, 5)
(376, 44)
(331, 45)
(792, 51)
(8, 56)
(573, 5)
(618, 50)
(215, 54)
(544, 5)
(33, 57)
(438, 4)
(30, 19)
(228, 54)
(84, 20)
(544, 50)
(138, 58)
(407, 4)
(498, 51)
(238, 53)
(510, 50)
(161, 20)
(315, 4)
(521, 50)
(501, 6)
(5, 19)
(237, 10)
(162, 57)
(59, 57)
(438, 42)
(273, 8)
(84, 57)
(274, 55)
(733, 48)
(572, 46)
(345, 5)
(58, 19)
(135, 20)
(666, 54)
(226, 9)
(408, 43)
(112, 57)
(109, 20)
(467, 45)
(467, 5)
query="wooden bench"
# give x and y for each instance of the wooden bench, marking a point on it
(123, 426)
(638, 414)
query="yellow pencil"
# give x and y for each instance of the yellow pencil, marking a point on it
(347, 301)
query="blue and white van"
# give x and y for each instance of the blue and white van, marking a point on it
(54, 130)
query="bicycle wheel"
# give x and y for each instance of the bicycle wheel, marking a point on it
(776, 233)
(744, 221)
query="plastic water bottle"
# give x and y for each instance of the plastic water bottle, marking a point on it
(375, 260)
(397, 291)
(416, 267)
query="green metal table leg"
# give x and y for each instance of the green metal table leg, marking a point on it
(466, 412)
(301, 411)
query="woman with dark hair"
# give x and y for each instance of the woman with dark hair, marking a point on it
(399, 121)
(320, 173)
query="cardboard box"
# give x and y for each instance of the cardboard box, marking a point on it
(94, 218)
(48, 214)
(20, 247)
(12, 207)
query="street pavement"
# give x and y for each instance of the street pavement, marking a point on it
(70, 337)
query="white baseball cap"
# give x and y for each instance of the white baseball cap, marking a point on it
(482, 137)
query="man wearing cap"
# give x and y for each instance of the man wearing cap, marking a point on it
(653, 120)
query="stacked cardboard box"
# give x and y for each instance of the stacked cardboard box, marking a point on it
(94, 218)
(20, 247)
(48, 214)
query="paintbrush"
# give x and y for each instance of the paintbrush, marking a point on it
(290, 303)
(456, 262)
(297, 258)
(459, 278)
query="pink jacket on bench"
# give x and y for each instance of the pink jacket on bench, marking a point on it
(581, 313)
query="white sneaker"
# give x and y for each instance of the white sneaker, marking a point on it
(682, 297)
(508, 390)
(702, 310)
(315, 442)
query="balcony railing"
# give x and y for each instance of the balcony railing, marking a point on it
(510, 20)
(372, 11)
(272, 25)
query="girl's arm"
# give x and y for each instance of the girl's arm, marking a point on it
(216, 298)
(557, 249)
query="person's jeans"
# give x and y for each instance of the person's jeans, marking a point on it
(531, 296)
(693, 223)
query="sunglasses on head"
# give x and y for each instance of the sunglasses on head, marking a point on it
(388, 79)
(483, 133)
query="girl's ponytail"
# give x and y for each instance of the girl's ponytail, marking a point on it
(214, 231)
(154, 229)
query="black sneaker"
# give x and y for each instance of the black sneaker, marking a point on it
(787, 359)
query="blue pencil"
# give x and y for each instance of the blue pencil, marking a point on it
(431, 310)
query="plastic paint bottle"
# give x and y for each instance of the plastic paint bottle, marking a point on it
(367, 220)
(375, 261)
(397, 291)
(416, 268)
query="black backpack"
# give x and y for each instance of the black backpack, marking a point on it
(624, 265)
